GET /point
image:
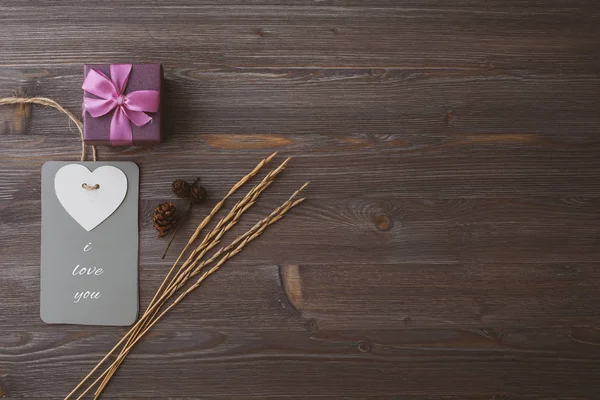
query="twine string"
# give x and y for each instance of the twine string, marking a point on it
(90, 187)
(51, 103)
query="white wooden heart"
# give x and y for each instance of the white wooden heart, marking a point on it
(90, 207)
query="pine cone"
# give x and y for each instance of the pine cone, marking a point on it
(181, 188)
(198, 194)
(165, 218)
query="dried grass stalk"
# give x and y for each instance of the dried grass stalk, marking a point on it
(242, 241)
(201, 226)
(176, 280)
(210, 241)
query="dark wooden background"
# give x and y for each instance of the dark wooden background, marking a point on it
(449, 249)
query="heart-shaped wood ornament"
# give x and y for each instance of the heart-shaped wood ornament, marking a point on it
(90, 197)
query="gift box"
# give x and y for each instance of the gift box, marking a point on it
(121, 104)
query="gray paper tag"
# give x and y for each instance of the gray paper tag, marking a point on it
(89, 269)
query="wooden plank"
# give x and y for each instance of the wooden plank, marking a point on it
(477, 171)
(352, 322)
(414, 107)
(498, 297)
(254, 36)
(483, 148)
(375, 231)
(288, 362)
(475, 295)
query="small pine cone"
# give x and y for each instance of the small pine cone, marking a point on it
(181, 188)
(198, 194)
(165, 218)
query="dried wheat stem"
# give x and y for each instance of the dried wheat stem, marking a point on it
(183, 278)
(244, 239)
(201, 226)
(205, 245)
(196, 267)
(264, 222)
(207, 220)
(193, 287)
(233, 216)
(215, 209)
(228, 223)
(231, 191)
(210, 240)
(268, 220)
(260, 227)
(214, 236)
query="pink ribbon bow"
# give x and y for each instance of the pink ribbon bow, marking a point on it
(128, 107)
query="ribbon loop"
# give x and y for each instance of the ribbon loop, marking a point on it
(143, 100)
(99, 85)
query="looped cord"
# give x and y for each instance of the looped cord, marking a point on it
(90, 187)
(51, 103)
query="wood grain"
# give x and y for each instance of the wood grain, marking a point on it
(449, 248)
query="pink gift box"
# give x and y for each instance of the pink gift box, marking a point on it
(97, 130)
